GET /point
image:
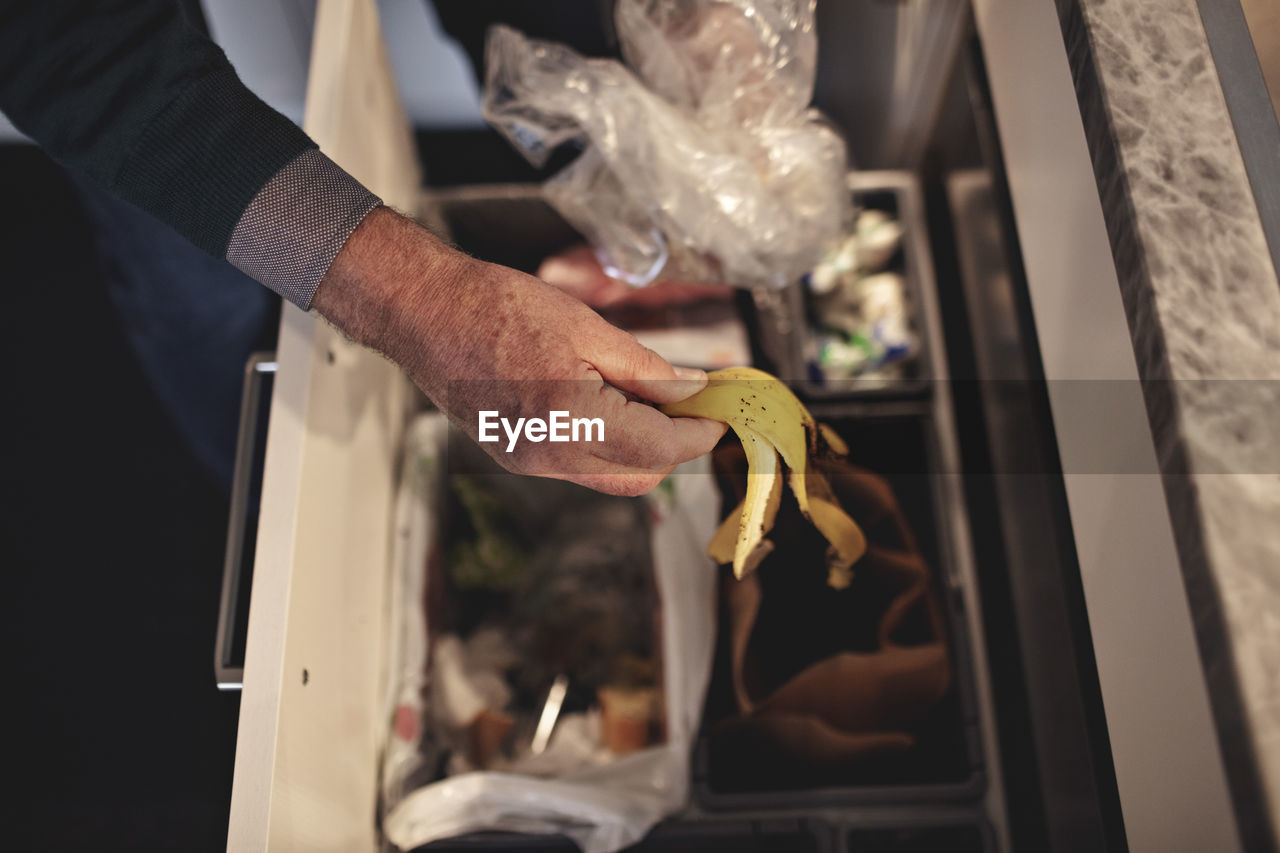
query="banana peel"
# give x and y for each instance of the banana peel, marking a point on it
(771, 422)
(847, 541)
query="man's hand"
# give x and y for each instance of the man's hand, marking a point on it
(476, 336)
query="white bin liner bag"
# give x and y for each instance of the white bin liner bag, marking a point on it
(602, 808)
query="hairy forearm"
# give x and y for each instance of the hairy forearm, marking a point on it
(390, 287)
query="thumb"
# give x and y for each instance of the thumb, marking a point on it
(627, 365)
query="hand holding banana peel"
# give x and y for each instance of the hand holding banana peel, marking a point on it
(771, 422)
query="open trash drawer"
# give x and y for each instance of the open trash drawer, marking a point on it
(313, 716)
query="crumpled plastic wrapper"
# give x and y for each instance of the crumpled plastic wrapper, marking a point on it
(701, 159)
(862, 312)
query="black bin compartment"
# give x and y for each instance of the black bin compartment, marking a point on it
(916, 838)
(793, 836)
(945, 765)
(897, 194)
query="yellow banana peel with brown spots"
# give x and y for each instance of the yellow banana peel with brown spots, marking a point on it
(772, 423)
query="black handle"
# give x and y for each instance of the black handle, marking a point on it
(230, 673)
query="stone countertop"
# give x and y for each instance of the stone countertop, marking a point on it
(1203, 305)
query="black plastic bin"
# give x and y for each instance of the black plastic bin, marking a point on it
(922, 836)
(911, 833)
(946, 763)
(897, 194)
(744, 836)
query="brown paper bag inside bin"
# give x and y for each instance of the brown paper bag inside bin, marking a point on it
(829, 678)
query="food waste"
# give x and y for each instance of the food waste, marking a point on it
(775, 430)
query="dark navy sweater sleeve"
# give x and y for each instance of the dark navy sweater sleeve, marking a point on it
(134, 95)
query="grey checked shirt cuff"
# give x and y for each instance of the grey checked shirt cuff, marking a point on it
(297, 223)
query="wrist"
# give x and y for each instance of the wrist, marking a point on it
(389, 286)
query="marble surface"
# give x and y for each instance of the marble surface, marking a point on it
(1203, 304)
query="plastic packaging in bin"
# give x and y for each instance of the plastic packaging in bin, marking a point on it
(860, 324)
(550, 651)
(861, 310)
(701, 159)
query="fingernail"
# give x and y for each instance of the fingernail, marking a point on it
(691, 374)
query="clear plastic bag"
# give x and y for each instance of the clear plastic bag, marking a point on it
(603, 806)
(702, 160)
